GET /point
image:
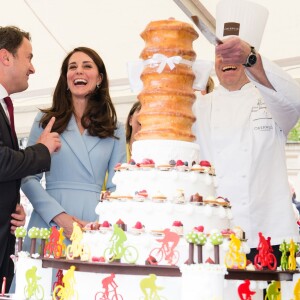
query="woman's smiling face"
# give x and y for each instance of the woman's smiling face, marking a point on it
(82, 75)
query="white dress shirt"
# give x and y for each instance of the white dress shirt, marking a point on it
(3, 94)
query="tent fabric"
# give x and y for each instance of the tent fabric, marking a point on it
(113, 27)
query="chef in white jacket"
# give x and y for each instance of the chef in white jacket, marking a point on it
(242, 129)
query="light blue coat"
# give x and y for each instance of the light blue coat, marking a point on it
(76, 176)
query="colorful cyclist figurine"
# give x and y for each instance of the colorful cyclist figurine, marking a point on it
(77, 249)
(108, 281)
(169, 243)
(61, 240)
(53, 247)
(110, 288)
(244, 291)
(284, 248)
(263, 245)
(235, 243)
(77, 234)
(293, 248)
(69, 279)
(149, 288)
(66, 291)
(54, 235)
(118, 250)
(235, 258)
(118, 238)
(265, 257)
(273, 291)
(32, 287)
(59, 281)
(297, 290)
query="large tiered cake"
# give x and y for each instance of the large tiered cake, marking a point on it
(165, 175)
(165, 186)
(165, 181)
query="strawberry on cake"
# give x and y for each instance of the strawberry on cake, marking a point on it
(141, 195)
(177, 227)
(138, 228)
(147, 163)
(182, 166)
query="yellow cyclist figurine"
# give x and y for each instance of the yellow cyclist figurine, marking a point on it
(69, 280)
(297, 290)
(235, 243)
(119, 238)
(32, 282)
(66, 291)
(292, 257)
(149, 287)
(61, 239)
(76, 238)
(235, 258)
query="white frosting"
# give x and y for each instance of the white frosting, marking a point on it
(162, 151)
(158, 216)
(167, 182)
(202, 281)
(25, 263)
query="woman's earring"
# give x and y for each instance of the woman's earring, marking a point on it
(98, 85)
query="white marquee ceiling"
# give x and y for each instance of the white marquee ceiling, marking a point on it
(113, 27)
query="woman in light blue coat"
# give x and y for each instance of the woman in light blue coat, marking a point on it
(93, 142)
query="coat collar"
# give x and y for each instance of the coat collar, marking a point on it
(81, 145)
(245, 88)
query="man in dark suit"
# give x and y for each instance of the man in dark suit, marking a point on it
(15, 68)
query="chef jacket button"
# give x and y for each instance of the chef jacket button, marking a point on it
(244, 175)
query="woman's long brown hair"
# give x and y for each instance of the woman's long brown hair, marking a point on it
(99, 118)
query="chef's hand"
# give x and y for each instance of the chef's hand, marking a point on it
(66, 222)
(233, 50)
(18, 218)
(236, 51)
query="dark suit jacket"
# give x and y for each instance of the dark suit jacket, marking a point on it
(14, 164)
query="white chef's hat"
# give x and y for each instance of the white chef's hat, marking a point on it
(243, 18)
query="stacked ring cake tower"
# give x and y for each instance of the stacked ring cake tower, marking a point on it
(167, 96)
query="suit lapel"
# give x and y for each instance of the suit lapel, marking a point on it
(76, 143)
(14, 141)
